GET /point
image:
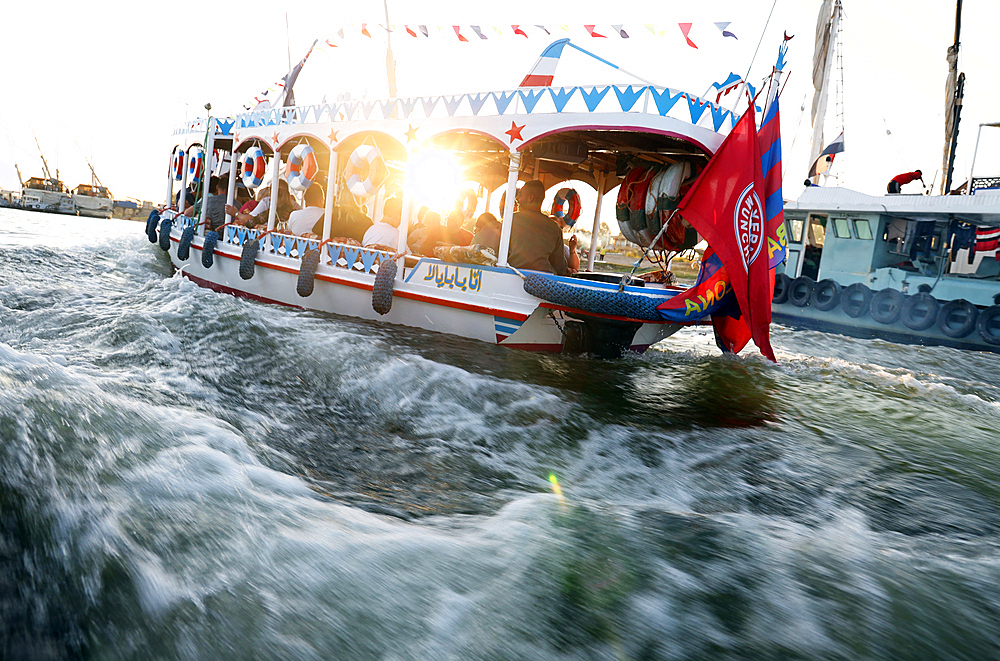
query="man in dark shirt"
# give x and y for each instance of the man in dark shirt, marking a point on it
(536, 241)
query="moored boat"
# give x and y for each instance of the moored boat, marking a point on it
(915, 269)
(93, 200)
(363, 152)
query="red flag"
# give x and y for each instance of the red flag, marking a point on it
(593, 32)
(724, 205)
(518, 30)
(458, 32)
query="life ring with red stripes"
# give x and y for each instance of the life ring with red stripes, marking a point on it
(196, 165)
(253, 167)
(302, 167)
(624, 198)
(366, 171)
(179, 165)
(566, 205)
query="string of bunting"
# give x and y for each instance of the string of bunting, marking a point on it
(473, 33)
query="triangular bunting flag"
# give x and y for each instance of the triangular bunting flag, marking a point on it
(458, 32)
(593, 32)
(620, 31)
(726, 33)
(475, 28)
(685, 30)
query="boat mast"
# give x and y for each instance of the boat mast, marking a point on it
(45, 166)
(825, 36)
(954, 89)
(19, 179)
(390, 62)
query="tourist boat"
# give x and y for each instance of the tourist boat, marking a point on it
(93, 200)
(362, 151)
(917, 269)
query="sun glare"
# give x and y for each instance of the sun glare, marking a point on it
(434, 179)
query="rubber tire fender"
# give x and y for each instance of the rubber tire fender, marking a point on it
(382, 290)
(825, 295)
(247, 258)
(855, 300)
(165, 227)
(151, 223)
(989, 325)
(800, 291)
(781, 284)
(911, 315)
(948, 309)
(208, 248)
(184, 246)
(307, 273)
(886, 306)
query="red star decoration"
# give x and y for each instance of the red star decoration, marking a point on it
(333, 136)
(515, 132)
(236, 138)
(411, 134)
(275, 138)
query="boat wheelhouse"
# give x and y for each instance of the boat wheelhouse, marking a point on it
(47, 194)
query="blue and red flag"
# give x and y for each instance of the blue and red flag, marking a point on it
(710, 294)
(725, 206)
(769, 137)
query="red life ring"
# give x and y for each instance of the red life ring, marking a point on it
(196, 165)
(566, 205)
(366, 171)
(302, 167)
(254, 167)
(179, 165)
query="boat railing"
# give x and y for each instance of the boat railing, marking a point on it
(341, 255)
(638, 99)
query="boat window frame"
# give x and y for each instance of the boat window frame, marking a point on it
(856, 222)
(842, 227)
(794, 227)
(817, 220)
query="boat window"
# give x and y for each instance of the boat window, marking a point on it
(841, 228)
(795, 226)
(817, 230)
(862, 229)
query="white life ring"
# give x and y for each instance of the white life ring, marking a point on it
(467, 202)
(302, 167)
(365, 171)
(664, 188)
(254, 167)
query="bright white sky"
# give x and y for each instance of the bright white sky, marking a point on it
(110, 79)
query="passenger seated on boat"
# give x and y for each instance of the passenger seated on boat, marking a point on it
(535, 240)
(487, 232)
(348, 221)
(384, 235)
(189, 196)
(569, 249)
(417, 232)
(215, 205)
(452, 234)
(309, 220)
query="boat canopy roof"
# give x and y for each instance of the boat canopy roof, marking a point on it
(972, 209)
(571, 132)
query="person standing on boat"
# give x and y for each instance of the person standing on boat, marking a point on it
(901, 180)
(536, 241)
(305, 221)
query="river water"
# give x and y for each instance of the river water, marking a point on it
(186, 475)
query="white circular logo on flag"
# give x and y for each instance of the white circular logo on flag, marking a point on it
(748, 221)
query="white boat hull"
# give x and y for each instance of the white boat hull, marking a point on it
(483, 303)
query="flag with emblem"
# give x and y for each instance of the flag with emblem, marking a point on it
(724, 205)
